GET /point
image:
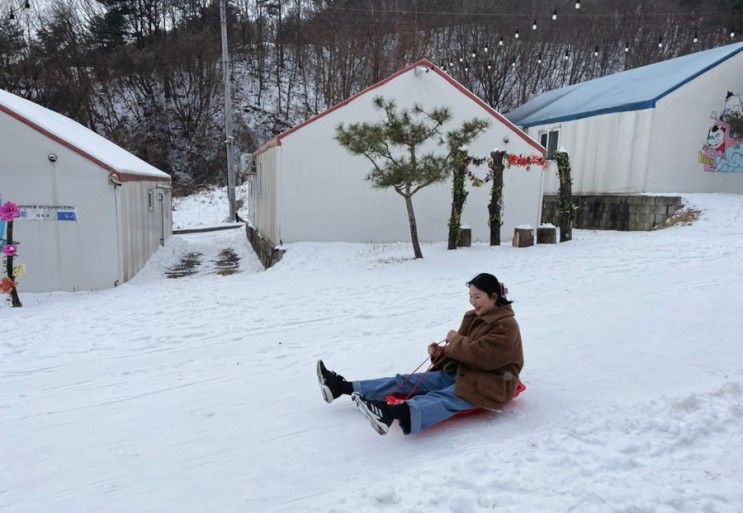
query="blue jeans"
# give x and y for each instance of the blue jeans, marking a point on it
(433, 399)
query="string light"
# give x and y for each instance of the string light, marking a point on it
(490, 65)
(732, 32)
(596, 52)
(626, 47)
(566, 55)
(577, 4)
(516, 35)
(696, 39)
(534, 25)
(554, 15)
(660, 42)
(500, 41)
(461, 59)
(539, 59)
(485, 49)
(513, 64)
(474, 54)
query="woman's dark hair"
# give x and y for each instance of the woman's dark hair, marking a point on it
(491, 286)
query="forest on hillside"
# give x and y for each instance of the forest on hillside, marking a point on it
(147, 74)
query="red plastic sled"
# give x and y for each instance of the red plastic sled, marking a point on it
(393, 399)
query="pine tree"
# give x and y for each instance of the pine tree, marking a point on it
(393, 146)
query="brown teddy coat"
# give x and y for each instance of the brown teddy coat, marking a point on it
(487, 356)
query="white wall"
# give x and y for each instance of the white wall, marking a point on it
(59, 255)
(608, 153)
(681, 124)
(263, 194)
(142, 228)
(323, 195)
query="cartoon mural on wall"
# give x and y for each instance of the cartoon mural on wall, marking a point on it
(723, 150)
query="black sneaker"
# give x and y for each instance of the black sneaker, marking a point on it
(332, 385)
(379, 413)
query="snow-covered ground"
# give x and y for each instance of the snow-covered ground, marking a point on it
(208, 208)
(198, 394)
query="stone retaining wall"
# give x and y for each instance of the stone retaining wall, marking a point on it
(267, 253)
(615, 211)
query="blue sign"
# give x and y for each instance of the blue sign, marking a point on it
(66, 216)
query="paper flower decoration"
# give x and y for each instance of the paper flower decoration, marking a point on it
(9, 211)
(19, 270)
(10, 250)
(7, 285)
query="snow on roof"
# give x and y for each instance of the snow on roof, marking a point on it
(276, 140)
(78, 138)
(634, 89)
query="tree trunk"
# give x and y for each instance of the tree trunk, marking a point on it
(413, 226)
(496, 196)
(566, 209)
(458, 195)
(14, 299)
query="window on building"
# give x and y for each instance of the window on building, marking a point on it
(259, 179)
(549, 141)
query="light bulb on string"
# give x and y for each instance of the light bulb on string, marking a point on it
(626, 47)
(660, 42)
(490, 66)
(461, 59)
(451, 64)
(577, 4)
(732, 32)
(539, 59)
(534, 25)
(554, 15)
(566, 55)
(513, 63)
(466, 69)
(516, 35)
(485, 49)
(500, 41)
(596, 52)
(474, 54)
(696, 38)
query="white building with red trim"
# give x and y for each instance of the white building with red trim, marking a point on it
(91, 213)
(307, 187)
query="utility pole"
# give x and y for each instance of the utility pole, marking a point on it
(229, 139)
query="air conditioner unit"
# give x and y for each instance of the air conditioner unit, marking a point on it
(247, 164)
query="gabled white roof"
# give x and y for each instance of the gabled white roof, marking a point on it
(78, 138)
(276, 140)
(634, 89)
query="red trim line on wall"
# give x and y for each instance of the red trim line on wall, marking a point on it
(276, 140)
(123, 176)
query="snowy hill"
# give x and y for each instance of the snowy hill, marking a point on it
(198, 394)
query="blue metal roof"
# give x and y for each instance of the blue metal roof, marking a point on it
(634, 89)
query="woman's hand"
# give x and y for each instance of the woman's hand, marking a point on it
(450, 336)
(435, 351)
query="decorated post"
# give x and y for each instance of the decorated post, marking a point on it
(495, 207)
(460, 160)
(497, 162)
(566, 208)
(8, 212)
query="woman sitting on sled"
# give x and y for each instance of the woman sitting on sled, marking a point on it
(478, 367)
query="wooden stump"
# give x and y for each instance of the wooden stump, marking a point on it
(547, 235)
(465, 238)
(523, 237)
